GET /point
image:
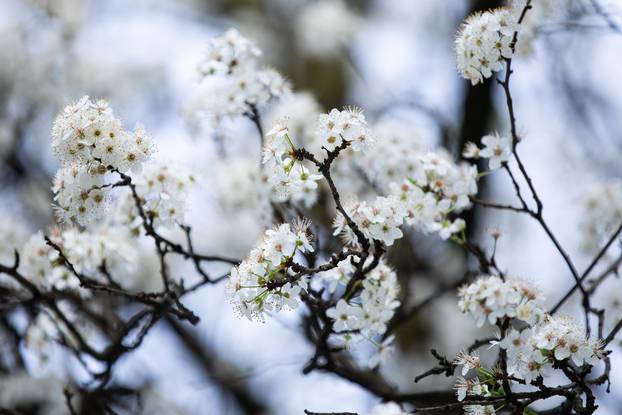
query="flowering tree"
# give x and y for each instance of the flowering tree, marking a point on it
(81, 284)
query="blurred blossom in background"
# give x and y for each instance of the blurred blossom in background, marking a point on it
(395, 59)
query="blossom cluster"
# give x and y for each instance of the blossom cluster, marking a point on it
(484, 42)
(288, 176)
(473, 387)
(232, 81)
(265, 281)
(396, 155)
(438, 188)
(490, 298)
(96, 254)
(90, 141)
(88, 132)
(381, 220)
(366, 315)
(348, 125)
(163, 190)
(532, 350)
(333, 19)
(497, 149)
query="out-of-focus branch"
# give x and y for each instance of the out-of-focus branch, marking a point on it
(221, 372)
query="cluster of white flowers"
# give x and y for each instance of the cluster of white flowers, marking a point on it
(264, 281)
(88, 132)
(333, 19)
(79, 193)
(473, 387)
(434, 185)
(490, 298)
(366, 315)
(381, 220)
(231, 81)
(484, 41)
(163, 190)
(438, 188)
(348, 125)
(480, 409)
(497, 149)
(288, 176)
(602, 214)
(89, 141)
(87, 251)
(396, 154)
(532, 350)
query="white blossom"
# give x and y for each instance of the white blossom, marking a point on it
(439, 188)
(228, 53)
(479, 410)
(264, 281)
(369, 312)
(563, 338)
(163, 190)
(380, 220)
(232, 82)
(88, 132)
(289, 176)
(347, 125)
(490, 298)
(468, 361)
(87, 251)
(89, 142)
(345, 316)
(532, 350)
(333, 19)
(79, 193)
(484, 42)
(396, 154)
(470, 387)
(497, 149)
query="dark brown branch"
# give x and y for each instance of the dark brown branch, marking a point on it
(589, 269)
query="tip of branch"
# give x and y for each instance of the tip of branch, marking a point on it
(16, 259)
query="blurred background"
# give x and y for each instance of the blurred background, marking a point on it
(394, 59)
